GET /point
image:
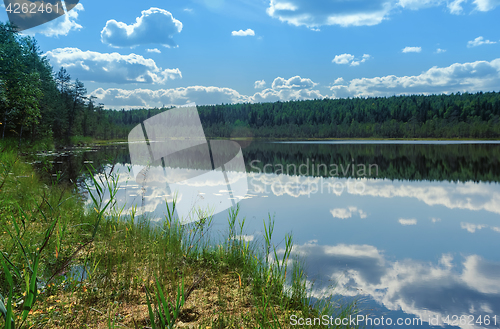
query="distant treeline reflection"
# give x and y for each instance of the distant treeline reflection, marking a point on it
(458, 162)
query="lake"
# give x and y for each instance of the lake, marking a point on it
(408, 229)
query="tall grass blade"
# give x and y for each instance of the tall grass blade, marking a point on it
(150, 309)
(163, 303)
(7, 311)
(16, 270)
(32, 292)
(15, 238)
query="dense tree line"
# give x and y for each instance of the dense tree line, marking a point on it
(35, 103)
(460, 115)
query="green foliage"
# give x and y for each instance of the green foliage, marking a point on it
(31, 104)
(33, 223)
(25, 77)
(7, 310)
(166, 311)
(128, 260)
(460, 115)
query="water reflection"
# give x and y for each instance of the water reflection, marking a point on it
(441, 162)
(193, 190)
(468, 285)
(423, 244)
(407, 246)
(466, 195)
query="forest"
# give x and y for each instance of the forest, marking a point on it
(37, 103)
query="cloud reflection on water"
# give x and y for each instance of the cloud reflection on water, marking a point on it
(467, 195)
(463, 286)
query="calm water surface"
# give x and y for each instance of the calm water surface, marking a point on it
(418, 236)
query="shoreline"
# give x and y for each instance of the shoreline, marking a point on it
(189, 260)
(263, 139)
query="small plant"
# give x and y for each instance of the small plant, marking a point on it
(25, 257)
(7, 310)
(167, 312)
(30, 276)
(234, 282)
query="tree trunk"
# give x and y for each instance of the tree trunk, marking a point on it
(20, 135)
(4, 124)
(32, 133)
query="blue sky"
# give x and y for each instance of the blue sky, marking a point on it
(154, 53)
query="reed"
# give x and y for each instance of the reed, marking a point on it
(67, 264)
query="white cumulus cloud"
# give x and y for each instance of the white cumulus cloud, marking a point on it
(486, 5)
(343, 59)
(407, 222)
(241, 33)
(315, 13)
(419, 4)
(274, 95)
(155, 26)
(59, 26)
(338, 80)
(118, 98)
(110, 67)
(455, 6)
(439, 50)
(478, 42)
(154, 50)
(295, 88)
(260, 84)
(412, 49)
(282, 89)
(471, 77)
(295, 82)
(363, 59)
(350, 59)
(472, 227)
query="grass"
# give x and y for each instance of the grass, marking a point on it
(67, 265)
